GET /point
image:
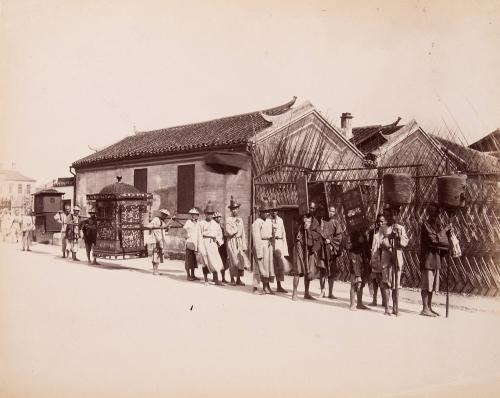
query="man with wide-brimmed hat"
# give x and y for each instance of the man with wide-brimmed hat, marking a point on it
(307, 253)
(89, 229)
(192, 228)
(62, 218)
(73, 231)
(280, 246)
(221, 243)
(158, 226)
(208, 245)
(236, 244)
(262, 232)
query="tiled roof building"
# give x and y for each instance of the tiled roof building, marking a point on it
(214, 134)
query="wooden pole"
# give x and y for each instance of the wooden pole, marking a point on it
(394, 242)
(448, 257)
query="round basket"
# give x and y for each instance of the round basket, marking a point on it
(397, 188)
(451, 191)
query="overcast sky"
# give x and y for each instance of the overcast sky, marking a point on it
(75, 74)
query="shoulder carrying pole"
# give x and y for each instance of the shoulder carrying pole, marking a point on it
(395, 272)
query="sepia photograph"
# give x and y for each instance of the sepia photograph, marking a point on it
(249, 198)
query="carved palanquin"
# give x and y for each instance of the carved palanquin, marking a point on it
(121, 212)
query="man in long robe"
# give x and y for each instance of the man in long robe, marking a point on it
(236, 244)
(221, 243)
(434, 246)
(331, 231)
(208, 248)
(307, 254)
(263, 250)
(280, 247)
(192, 230)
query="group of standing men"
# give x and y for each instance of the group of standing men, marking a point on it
(375, 255)
(211, 244)
(16, 226)
(73, 228)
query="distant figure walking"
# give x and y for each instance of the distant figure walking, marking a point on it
(27, 228)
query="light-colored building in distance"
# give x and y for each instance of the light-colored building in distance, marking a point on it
(15, 188)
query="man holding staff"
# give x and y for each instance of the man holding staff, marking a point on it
(332, 240)
(307, 252)
(398, 239)
(434, 246)
(381, 260)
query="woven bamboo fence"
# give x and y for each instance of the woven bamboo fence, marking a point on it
(477, 225)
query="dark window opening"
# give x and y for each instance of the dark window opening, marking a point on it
(141, 180)
(185, 188)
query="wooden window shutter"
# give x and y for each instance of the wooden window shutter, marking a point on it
(141, 179)
(185, 188)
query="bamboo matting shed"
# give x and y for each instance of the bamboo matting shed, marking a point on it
(406, 149)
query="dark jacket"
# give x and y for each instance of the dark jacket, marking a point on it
(433, 244)
(314, 237)
(89, 229)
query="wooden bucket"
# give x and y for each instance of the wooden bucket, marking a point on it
(397, 188)
(451, 191)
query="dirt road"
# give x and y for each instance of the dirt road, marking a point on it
(73, 330)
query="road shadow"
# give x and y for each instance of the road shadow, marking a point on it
(180, 275)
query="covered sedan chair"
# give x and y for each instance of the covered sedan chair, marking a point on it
(122, 213)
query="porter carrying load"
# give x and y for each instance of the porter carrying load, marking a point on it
(451, 197)
(397, 192)
(451, 191)
(397, 188)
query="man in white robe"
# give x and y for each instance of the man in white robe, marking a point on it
(262, 231)
(209, 230)
(280, 247)
(236, 244)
